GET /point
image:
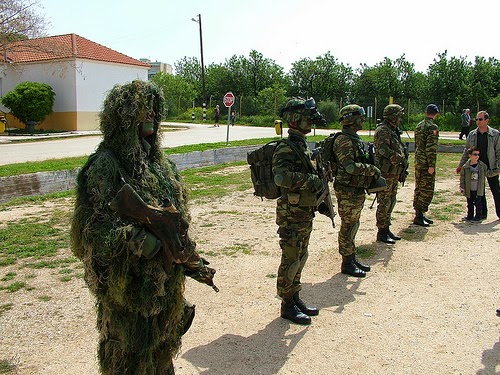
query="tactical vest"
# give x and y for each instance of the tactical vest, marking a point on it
(383, 163)
(360, 156)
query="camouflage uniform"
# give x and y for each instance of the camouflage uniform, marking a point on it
(294, 211)
(391, 160)
(353, 176)
(426, 143)
(299, 185)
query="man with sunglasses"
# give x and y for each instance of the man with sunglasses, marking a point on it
(487, 140)
(354, 175)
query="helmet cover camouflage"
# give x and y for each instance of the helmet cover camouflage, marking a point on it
(350, 113)
(393, 110)
(301, 114)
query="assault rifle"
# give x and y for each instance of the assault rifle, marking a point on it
(325, 198)
(404, 173)
(167, 224)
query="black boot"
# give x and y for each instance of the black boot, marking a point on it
(419, 220)
(308, 310)
(361, 266)
(350, 268)
(291, 312)
(392, 235)
(428, 220)
(383, 236)
(187, 316)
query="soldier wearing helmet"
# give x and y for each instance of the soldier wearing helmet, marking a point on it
(426, 143)
(354, 175)
(299, 185)
(392, 160)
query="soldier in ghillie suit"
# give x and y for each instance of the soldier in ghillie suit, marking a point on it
(392, 160)
(137, 274)
(426, 144)
(354, 175)
(299, 184)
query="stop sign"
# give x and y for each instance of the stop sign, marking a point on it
(228, 99)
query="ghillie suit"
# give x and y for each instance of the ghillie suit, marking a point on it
(141, 312)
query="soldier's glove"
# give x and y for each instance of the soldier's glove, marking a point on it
(377, 173)
(315, 184)
(324, 210)
(143, 243)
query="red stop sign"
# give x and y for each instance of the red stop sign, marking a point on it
(228, 99)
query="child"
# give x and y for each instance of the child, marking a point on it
(233, 118)
(472, 182)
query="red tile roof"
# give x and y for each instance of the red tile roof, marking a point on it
(64, 47)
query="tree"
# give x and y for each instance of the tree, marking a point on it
(178, 92)
(18, 21)
(30, 102)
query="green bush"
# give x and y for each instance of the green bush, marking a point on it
(30, 102)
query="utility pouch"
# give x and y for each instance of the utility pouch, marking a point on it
(293, 198)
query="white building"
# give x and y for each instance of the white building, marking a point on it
(79, 71)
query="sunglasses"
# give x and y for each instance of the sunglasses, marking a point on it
(475, 153)
(480, 119)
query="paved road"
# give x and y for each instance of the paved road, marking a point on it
(84, 143)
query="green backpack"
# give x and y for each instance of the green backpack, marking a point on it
(328, 158)
(261, 169)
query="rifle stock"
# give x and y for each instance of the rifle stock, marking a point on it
(165, 223)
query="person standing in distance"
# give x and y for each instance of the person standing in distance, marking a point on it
(392, 161)
(426, 143)
(487, 140)
(465, 123)
(299, 184)
(354, 175)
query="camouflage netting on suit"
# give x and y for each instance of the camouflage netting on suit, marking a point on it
(139, 301)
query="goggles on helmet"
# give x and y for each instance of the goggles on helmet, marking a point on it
(359, 112)
(310, 106)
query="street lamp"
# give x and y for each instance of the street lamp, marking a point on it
(198, 21)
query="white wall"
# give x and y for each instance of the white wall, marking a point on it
(94, 79)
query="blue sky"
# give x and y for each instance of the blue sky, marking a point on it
(355, 32)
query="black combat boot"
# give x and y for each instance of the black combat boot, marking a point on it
(308, 310)
(361, 266)
(350, 268)
(428, 220)
(393, 236)
(419, 220)
(291, 312)
(383, 236)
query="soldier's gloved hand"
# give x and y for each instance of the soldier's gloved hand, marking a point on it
(324, 210)
(315, 184)
(377, 173)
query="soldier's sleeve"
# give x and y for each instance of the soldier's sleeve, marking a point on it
(382, 143)
(432, 145)
(284, 169)
(345, 151)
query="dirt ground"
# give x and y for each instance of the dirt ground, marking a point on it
(427, 306)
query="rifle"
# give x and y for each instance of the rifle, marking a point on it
(325, 173)
(167, 224)
(404, 173)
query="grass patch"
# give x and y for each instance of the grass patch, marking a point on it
(9, 276)
(14, 287)
(44, 298)
(366, 251)
(7, 367)
(5, 307)
(232, 250)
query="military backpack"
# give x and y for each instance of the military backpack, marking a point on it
(261, 169)
(328, 157)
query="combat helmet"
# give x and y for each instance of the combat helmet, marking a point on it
(350, 113)
(393, 110)
(299, 109)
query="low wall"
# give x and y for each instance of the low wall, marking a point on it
(50, 182)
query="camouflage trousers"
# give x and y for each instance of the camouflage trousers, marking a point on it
(424, 190)
(350, 204)
(386, 200)
(295, 227)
